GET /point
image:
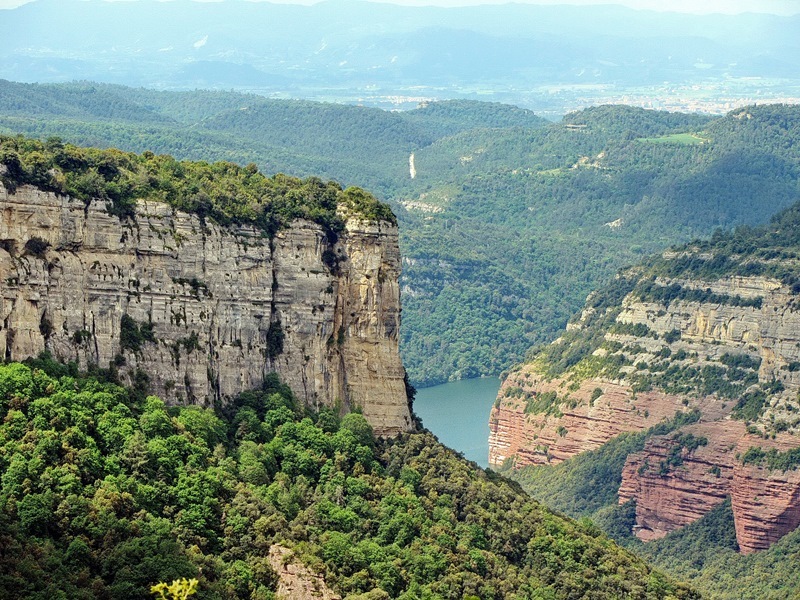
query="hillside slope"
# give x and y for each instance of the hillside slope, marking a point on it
(536, 219)
(104, 492)
(679, 382)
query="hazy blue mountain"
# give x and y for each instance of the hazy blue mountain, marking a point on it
(314, 51)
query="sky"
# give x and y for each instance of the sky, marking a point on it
(690, 6)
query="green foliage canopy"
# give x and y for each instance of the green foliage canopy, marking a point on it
(223, 191)
(104, 494)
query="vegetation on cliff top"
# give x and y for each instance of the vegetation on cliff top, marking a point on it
(223, 191)
(770, 250)
(104, 492)
(772, 459)
(510, 221)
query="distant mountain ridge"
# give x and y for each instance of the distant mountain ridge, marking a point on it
(388, 49)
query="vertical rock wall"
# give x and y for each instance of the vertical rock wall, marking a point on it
(226, 305)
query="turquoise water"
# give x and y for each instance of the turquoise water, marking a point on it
(458, 414)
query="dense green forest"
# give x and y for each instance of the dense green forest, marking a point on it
(509, 222)
(105, 491)
(222, 191)
(586, 486)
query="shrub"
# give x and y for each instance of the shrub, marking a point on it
(36, 246)
(132, 334)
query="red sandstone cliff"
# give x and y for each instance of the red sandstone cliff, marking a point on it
(766, 503)
(672, 494)
(746, 334)
(580, 424)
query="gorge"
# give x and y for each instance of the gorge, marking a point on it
(129, 277)
(697, 351)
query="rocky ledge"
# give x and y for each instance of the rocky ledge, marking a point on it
(728, 350)
(205, 311)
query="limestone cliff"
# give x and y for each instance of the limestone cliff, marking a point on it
(659, 341)
(205, 311)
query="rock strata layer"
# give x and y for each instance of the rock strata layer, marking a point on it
(205, 311)
(674, 485)
(689, 345)
(669, 496)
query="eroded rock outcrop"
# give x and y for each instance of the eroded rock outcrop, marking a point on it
(674, 482)
(205, 311)
(727, 349)
(295, 580)
(674, 485)
(765, 502)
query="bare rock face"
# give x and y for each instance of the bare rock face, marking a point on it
(295, 580)
(582, 419)
(675, 485)
(689, 352)
(766, 503)
(205, 311)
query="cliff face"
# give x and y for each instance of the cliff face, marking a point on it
(674, 485)
(206, 311)
(583, 419)
(728, 349)
(668, 496)
(766, 502)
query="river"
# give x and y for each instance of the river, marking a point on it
(458, 414)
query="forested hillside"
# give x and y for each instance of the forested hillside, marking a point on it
(533, 220)
(748, 393)
(105, 491)
(509, 222)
